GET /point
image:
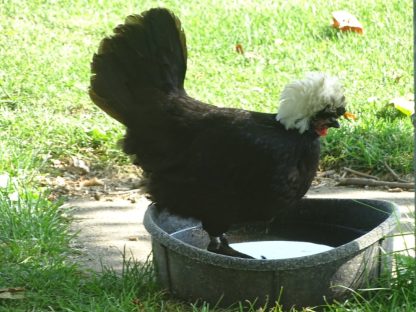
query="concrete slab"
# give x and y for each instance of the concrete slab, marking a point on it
(106, 229)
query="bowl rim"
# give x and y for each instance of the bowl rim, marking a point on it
(346, 250)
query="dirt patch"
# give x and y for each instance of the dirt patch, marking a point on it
(75, 179)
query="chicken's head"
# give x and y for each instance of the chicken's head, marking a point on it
(314, 103)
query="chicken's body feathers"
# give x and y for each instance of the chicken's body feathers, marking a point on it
(223, 165)
(219, 165)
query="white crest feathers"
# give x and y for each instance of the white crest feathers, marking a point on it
(302, 99)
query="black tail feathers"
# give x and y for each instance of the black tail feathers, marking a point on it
(147, 52)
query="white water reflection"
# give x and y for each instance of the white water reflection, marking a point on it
(279, 249)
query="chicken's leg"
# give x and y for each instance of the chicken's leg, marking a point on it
(219, 245)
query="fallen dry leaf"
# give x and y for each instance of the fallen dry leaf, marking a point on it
(239, 48)
(404, 104)
(80, 165)
(248, 55)
(349, 115)
(12, 293)
(92, 182)
(345, 21)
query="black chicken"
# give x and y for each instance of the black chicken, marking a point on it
(219, 165)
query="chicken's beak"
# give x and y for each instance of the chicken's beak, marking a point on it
(349, 115)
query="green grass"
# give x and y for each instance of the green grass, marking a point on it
(46, 48)
(399, 296)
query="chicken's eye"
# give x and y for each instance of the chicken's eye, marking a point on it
(340, 111)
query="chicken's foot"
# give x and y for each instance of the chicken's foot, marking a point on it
(221, 246)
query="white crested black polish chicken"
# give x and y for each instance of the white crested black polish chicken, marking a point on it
(219, 165)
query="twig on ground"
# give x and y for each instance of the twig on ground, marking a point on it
(133, 191)
(362, 174)
(327, 173)
(394, 174)
(372, 182)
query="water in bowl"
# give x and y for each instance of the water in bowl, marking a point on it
(279, 249)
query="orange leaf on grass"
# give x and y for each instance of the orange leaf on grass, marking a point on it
(349, 115)
(345, 21)
(239, 48)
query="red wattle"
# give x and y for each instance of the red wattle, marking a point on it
(323, 131)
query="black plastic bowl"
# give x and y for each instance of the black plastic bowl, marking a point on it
(357, 229)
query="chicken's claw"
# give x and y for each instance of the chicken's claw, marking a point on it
(220, 246)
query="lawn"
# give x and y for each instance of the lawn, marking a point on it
(47, 118)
